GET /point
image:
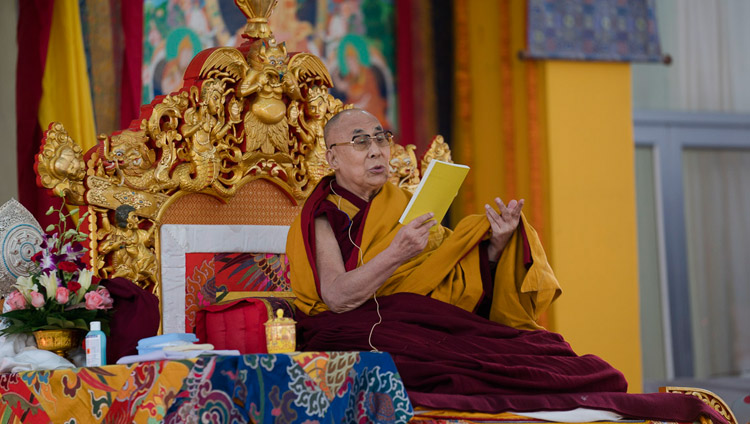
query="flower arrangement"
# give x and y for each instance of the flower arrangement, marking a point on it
(61, 292)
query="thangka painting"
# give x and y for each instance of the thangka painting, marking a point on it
(354, 38)
(603, 30)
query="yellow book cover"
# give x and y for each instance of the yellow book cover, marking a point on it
(436, 190)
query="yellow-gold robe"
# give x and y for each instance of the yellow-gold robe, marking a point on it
(447, 270)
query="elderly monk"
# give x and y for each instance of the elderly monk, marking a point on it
(456, 309)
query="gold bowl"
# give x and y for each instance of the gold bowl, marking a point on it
(58, 341)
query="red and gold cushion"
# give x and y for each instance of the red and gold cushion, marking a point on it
(211, 278)
(239, 324)
(197, 271)
(230, 296)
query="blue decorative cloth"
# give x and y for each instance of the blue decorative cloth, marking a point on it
(306, 387)
(603, 30)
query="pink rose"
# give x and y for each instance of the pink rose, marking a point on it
(16, 300)
(94, 300)
(106, 298)
(37, 299)
(62, 295)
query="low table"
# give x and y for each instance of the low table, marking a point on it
(316, 386)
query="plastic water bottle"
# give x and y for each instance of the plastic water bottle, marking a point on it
(96, 346)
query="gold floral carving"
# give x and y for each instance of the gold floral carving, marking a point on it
(708, 397)
(60, 165)
(406, 171)
(439, 150)
(247, 113)
(103, 192)
(129, 246)
(404, 166)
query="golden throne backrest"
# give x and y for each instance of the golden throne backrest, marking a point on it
(210, 250)
(258, 202)
(241, 141)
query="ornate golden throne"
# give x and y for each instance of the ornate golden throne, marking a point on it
(222, 165)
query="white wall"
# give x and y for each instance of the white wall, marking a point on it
(708, 41)
(9, 47)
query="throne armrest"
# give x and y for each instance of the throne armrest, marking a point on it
(706, 396)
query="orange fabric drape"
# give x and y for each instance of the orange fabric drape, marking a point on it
(463, 147)
(498, 125)
(499, 112)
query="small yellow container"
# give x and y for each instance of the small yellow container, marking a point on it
(281, 334)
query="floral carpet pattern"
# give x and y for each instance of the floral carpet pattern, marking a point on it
(310, 387)
(307, 387)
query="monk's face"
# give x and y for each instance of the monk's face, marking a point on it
(363, 172)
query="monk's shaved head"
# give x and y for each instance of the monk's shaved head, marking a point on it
(333, 127)
(363, 168)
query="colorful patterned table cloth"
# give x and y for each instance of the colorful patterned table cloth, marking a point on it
(306, 387)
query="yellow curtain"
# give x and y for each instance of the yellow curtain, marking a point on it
(66, 96)
(498, 123)
(498, 127)
(558, 134)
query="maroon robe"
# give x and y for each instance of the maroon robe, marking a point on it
(450, 358)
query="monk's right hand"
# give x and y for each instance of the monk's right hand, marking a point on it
(412, 238)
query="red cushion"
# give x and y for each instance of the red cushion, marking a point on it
(238, 324)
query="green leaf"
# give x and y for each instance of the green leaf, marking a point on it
(80, 220)
(50, 211)
(49, 228)
(55, 321)
(47, 327)
(79, 323)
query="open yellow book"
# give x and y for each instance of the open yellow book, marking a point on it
(436, 190)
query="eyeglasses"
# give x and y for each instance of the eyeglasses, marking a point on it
(362, 142)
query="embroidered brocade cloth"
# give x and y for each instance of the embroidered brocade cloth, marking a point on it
(314, 386)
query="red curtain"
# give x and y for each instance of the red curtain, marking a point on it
(34, 23)
(132, 28)
(423, 73)
(404, 72)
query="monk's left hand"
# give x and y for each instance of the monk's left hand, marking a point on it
(502, 225)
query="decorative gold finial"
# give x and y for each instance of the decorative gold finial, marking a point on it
(257, 13)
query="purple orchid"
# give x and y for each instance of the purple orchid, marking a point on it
(48, 263)
(49, 242)
(72, 251)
